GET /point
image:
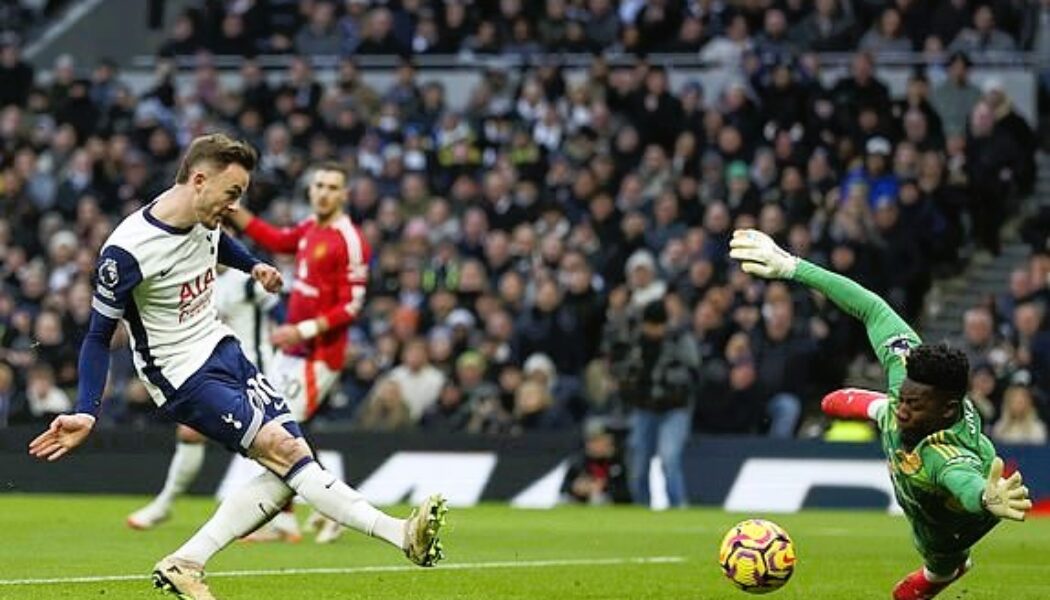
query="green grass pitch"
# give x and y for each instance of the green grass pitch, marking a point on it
(494, 552)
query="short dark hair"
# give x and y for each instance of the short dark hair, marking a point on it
(218, 149)
(944, 368)
(334, 166)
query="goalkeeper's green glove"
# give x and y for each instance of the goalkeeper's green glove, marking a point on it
(759, 255)
(1005, 498)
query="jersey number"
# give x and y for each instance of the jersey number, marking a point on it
(261, 393)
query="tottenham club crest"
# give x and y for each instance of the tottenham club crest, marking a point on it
(108, 275)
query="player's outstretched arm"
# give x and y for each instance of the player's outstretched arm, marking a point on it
(976, 493)
(69, 431)
(65, 433)
(853, 404)
(759, 255)
(284, 240)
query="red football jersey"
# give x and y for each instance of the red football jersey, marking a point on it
(331, 274)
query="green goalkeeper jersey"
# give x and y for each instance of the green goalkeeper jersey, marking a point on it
(939, 482)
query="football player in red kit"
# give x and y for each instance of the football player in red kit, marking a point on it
(328, 292)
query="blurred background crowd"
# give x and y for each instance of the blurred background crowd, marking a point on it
(552, 254)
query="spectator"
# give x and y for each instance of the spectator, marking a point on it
(378, 35)
(535, 409)
(602, 25)
(43, 399)
(875, 176)
(861, 90)
(384, 409)
(773, 45)
(1031, 342)
(983, 37)
(826, 29)
(979, 341)
(16, 75)
(993, 158)
(1014, 125)
(233, 38)
(656, 370)
(184, 39)
(887, 36)
(783, 359)
(1019, 424)
(418, 382)
(949, 18)
(984, 391)
(955, 98)
(320, 36)
(548, 327)
(596, 475)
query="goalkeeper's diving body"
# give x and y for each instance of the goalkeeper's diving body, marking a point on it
(945, 472)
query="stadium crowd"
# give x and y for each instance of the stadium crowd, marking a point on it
(556, 249)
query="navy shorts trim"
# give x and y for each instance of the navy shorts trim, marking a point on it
(228, 400)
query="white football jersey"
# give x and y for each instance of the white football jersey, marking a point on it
(244, 306)
(159, 281)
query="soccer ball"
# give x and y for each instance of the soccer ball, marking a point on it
(758, 556)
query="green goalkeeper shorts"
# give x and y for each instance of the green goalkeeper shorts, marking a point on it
(939, 562)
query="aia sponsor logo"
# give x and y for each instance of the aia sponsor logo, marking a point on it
(195, 296)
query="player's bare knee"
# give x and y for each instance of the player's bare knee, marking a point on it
(277, 449)
(292, 450)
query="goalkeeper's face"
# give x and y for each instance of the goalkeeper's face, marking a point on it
(922, 410)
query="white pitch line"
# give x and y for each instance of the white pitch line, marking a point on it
(524, 564)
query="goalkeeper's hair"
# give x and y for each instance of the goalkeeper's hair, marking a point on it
(939, 365)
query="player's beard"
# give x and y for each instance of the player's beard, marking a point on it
(911, 438)
(326, 212)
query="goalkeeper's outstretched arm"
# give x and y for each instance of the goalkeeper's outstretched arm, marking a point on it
(888, 333)
(1006, 498)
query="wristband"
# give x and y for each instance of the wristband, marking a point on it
(308, 329)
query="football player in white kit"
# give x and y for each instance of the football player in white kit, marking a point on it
(156, 275)
(244, 306)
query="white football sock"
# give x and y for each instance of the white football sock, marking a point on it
(345, 505)
(875, 407)
(185, 465)
(935, 578)
(238, 515)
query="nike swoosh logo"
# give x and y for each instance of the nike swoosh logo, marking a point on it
(330, 484)
(165, 272)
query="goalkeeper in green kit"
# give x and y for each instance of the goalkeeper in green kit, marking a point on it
(945, 473)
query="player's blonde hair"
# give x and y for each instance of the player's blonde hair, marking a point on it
(218, 149)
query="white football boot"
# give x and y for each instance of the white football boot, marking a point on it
(422, 545)
(149, 516)
(182, 578)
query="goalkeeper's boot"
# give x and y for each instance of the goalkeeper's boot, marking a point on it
(916, 587)
(182, 578)
(422, 545)
(149, 516)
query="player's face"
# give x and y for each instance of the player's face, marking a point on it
(922, 410)
(327, 194)
(217, 192)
